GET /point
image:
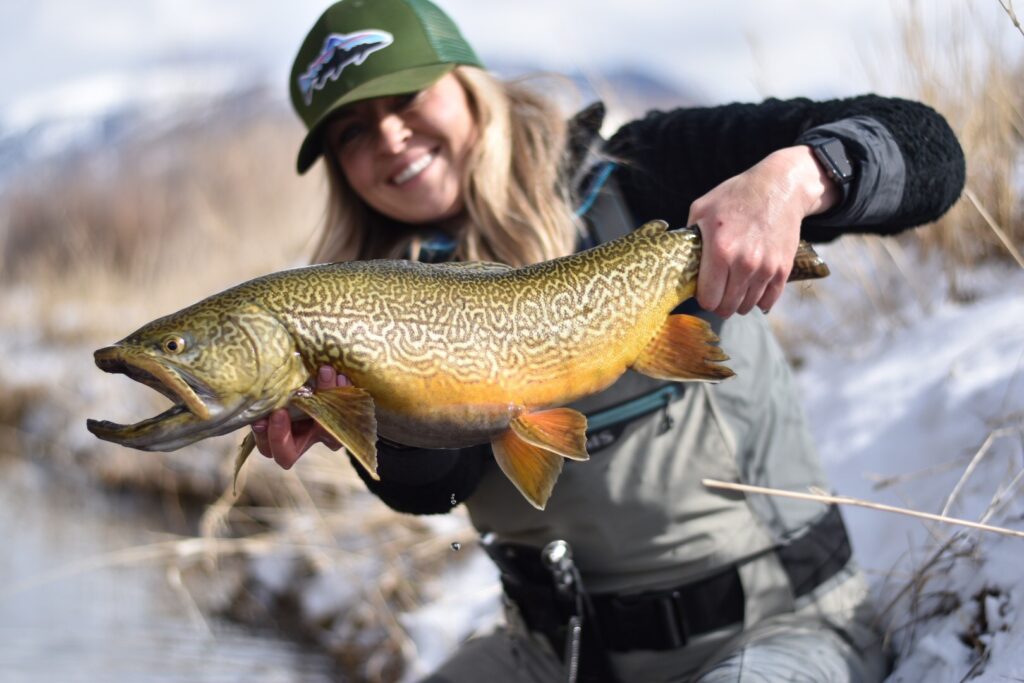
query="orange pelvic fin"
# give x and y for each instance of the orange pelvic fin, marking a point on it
(530, 453)
(347, 414)
(684, 350)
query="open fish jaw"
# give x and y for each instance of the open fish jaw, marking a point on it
(165, 432)
(188, 420)
(119, 366)
(179, 387)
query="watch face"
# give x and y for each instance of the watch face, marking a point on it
(832, 155)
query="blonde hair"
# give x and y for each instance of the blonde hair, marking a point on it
(517, 195)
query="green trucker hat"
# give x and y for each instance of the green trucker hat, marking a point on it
(360, 49)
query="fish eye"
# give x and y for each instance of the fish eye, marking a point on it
(173, 344)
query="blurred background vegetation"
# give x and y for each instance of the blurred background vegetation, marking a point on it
(96, 243)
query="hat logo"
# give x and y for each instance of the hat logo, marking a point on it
(339, 51)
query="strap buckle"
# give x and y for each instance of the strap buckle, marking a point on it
(674, 614)
(640, 620)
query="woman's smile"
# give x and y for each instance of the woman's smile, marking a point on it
(406, 155)
(413, 169)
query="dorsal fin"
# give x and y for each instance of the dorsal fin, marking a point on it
(651, 228)
(475, 266)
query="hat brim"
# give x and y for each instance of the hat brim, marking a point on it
(398, 83)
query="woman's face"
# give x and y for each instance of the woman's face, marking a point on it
(405, 155)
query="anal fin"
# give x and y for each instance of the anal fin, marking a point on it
(532, 469)
(560, 430)
(347, 413)
(684, 350)
(530, 453)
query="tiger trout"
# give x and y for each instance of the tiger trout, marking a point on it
(439, 355)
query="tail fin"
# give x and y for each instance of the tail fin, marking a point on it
(807, 265)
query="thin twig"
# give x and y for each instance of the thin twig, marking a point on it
(847, 500)
(899, 259)
(994, 506)
(989, 440)
(995, 227)
(162, 550)
(884, 482)
(1008, 6)
(174, 580)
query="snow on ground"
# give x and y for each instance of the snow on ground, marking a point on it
(898, 420)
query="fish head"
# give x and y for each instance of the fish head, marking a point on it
(222, 366)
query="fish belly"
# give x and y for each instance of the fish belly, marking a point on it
(451, 428)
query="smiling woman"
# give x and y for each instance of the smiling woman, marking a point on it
(406, 155)
(501, 131)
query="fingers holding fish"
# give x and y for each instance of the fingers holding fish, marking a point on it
(750, 272)
(284, 440)
(750, 225)
(329, 378)
(772, 292)
(744, 263)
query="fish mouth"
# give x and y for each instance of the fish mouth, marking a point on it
(182, 388)
(175, 427)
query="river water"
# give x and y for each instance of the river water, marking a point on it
(63, 620)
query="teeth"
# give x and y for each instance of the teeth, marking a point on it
(414, 169)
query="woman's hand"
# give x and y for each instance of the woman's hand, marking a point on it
(750, 226)
(285, 441)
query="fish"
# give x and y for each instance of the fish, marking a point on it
(439, 355)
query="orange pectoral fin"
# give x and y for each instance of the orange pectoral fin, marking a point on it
(347, 414)
(532, 469)
(560, 430)
(684, 350)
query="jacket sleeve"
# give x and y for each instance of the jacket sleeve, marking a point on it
(423, 481)
(905, 148)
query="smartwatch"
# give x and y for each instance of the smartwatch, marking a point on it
(831, 154)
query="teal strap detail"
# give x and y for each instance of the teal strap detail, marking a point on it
(634, 408)
(595, 187)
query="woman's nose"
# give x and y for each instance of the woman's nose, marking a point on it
(392, 132)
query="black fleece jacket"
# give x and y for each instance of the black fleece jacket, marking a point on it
(678, 156)
(669, 159)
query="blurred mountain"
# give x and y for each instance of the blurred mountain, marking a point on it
(627, 91)
(99, 116)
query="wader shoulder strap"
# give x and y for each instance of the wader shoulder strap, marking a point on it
(603, 206)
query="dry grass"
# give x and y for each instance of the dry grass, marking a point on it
(95, 245)
(379, 561)
(973, 77)
(162, 220)
(969, 68)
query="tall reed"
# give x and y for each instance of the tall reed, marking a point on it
(970, 67)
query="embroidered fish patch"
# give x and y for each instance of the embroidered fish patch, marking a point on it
(339, 51)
